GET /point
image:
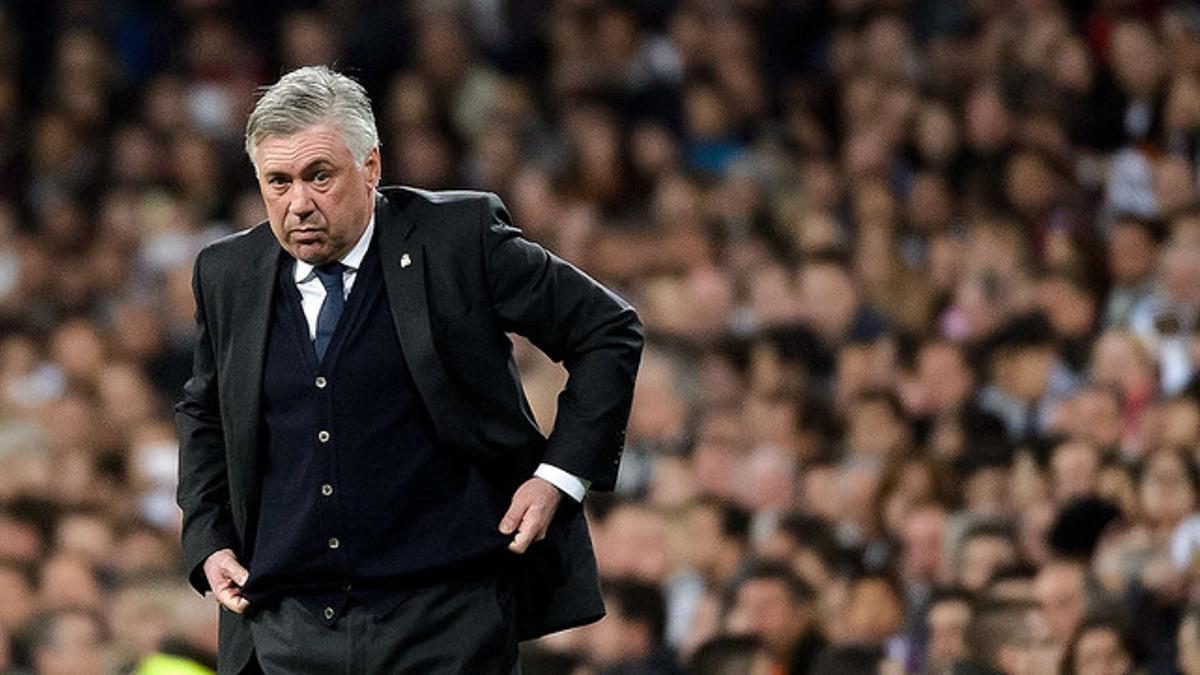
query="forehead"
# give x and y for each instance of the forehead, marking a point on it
(319, 142)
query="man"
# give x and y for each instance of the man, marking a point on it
(630, 639)
(946, 623)
(731, 655)
(1008, 637)
(777, 607)
(1028, 380)
(362, 480)
(984, 547)
(66, 641)
(1062, 594)
(875, 611)
(718, 538)
(1187, 641)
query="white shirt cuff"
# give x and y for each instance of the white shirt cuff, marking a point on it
(572, 485)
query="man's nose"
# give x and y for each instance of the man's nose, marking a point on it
(301, 204)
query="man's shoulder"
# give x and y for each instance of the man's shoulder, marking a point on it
(238, 247)
(448, 216)
(410, 197)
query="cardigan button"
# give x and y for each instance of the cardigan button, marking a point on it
(334, 543)
(323, 436)
(328, 613)
(321, 382)
(326, 489)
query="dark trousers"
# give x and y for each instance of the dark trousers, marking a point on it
(456, 627)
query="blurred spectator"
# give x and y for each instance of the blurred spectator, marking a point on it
(1132, 258)
(66, 641)
(948, 617)
(848, 659)
(775, 606)
(630, 638)
(1188, 641)
(1099, 646)
(982, 549)
(1061, 592)
(730, 655)
(1006, 636)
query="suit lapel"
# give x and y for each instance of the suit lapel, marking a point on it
(403, 261)
(252, 312)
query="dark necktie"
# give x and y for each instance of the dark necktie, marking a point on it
(330, 275)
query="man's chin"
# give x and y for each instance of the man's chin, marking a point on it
(312, 254)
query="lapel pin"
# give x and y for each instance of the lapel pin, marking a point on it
(405, 261)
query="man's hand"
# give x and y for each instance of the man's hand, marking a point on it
(226, 576)
(532, 509)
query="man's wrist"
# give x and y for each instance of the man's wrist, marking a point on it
(574, 486)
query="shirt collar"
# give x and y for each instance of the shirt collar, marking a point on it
(353, 258)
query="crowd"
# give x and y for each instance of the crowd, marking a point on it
(921, 283)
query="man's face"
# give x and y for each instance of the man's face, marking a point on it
(318, 199)
(1061, 593)
(1074, 469)
(16, 598)
(76, 649)
(944, 376)
(613, 639)
(1100, 652)
(874, 429)
(1132, 253)
(770, 614)
(923, 531)
(875, 613)
(981, 556)
(1188, 644)
(948, 623)
(828, 299)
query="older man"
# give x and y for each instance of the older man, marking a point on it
(363, 484)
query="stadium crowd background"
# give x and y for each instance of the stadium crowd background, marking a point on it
(921, 281)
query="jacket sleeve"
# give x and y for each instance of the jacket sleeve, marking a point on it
(203, 489)
(575, 320)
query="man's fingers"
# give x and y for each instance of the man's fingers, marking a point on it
(234, 570)
(226, 577)
(529, 516)
(532, 528)
(229, 598)
(543, 526)
(521, 541)
(516, 512)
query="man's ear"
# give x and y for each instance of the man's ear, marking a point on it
(371, 163)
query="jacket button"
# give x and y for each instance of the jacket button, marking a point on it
(323, 436)
(321, 382)
(334, 543)
(328, 613)
(327, 489)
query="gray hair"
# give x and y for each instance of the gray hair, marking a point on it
(312, 95)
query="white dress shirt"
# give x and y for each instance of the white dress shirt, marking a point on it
(312, 294)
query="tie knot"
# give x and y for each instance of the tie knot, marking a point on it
(330, 274)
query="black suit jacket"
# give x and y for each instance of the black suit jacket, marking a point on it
(458, 276)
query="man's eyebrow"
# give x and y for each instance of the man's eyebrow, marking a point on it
(319, 163)
(316, 164)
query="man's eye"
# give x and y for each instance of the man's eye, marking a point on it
(277, 180)
(321, 176)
